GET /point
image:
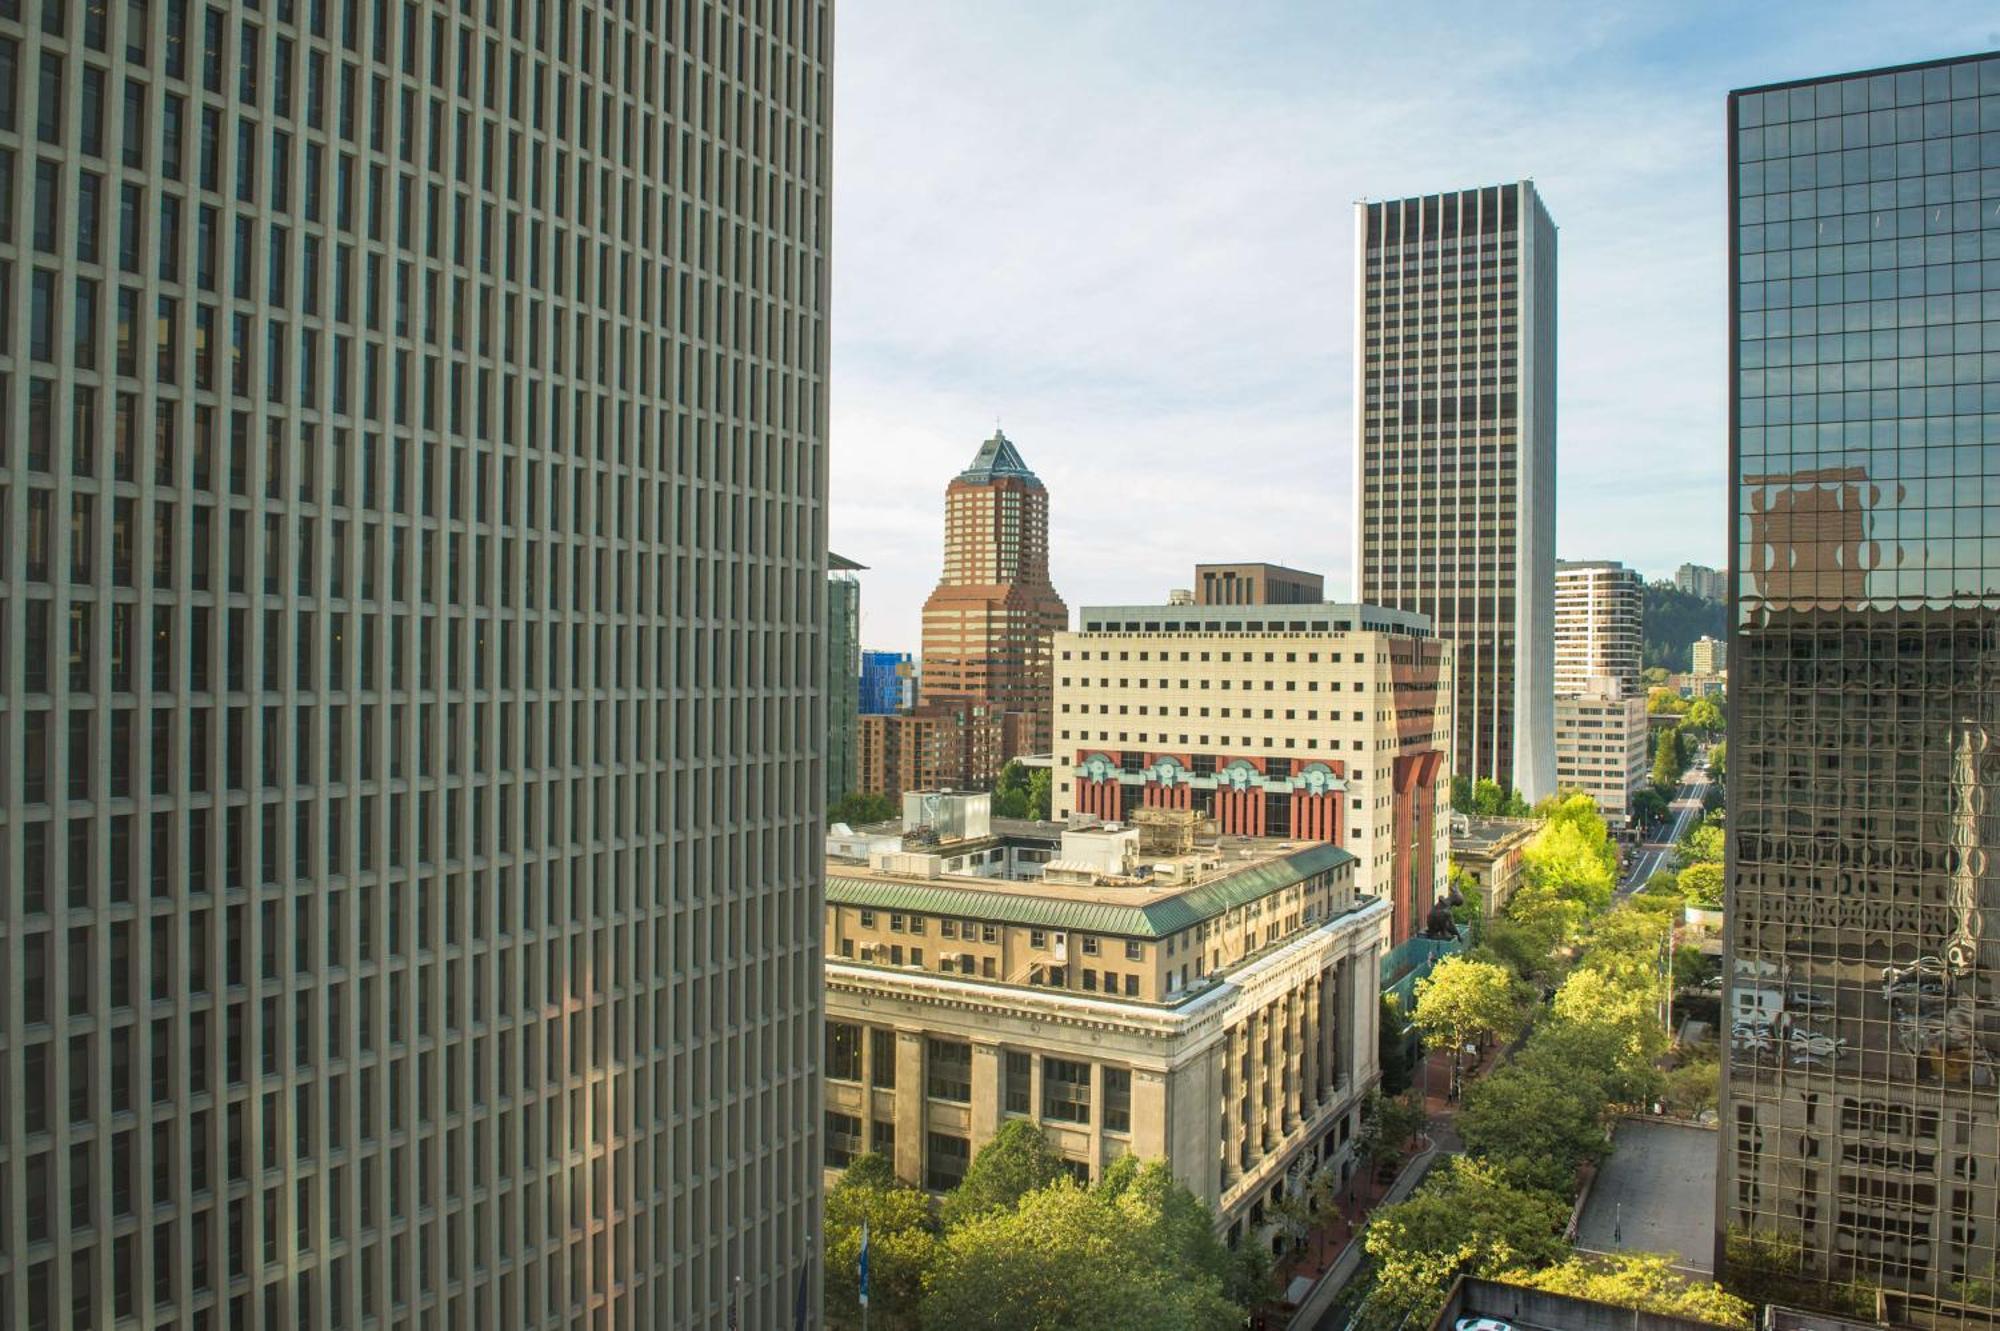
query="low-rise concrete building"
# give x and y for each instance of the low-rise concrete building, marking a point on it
(1162, 992)
(1486, 852)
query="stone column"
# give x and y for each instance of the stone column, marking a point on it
(867, 1088)
(1309, 1059)
(1035, 1088)
(1255, 1031)
(1096, 1119)
(986, 1092)
(1230, 1086)
(1149, 1117)
(910, 1101)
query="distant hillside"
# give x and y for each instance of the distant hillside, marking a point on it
(1674, 619)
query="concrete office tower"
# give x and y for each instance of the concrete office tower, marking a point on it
(411, 597)
(1703, 581)
(843, 675)
(1455, 454)
(1859, 1118)
(1256, 584)
(1599, 609)
(1329, 722)
(988, 623)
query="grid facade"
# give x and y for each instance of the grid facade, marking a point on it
(1600, 608)
(1859, 1110)
(1455, 453)
(412, 556)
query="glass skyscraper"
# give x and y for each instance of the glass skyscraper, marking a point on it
(412, 602)
(1860, 1139)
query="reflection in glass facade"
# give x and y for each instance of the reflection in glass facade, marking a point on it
(1859, 1112)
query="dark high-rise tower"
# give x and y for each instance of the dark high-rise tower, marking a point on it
(412, 562)
(1860, 1130)
(1455, 454)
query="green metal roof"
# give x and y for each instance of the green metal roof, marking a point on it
(1154, 919)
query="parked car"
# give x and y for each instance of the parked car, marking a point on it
(1805, 1000)
(1482, 1324)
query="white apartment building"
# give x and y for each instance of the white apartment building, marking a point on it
(1600, 606)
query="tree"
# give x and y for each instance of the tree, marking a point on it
(1015, 1163)
(860, 807)
(1701, 884)
(1538, 1125)
(1021, 791)
(1692, 1089)
(1669, 760)
(1673, 620)
(1461, 792)
(902, 1245)
(1464, 1001)
(1703, 716)
(1600, 998)
(1387, 1124)
(1642, 1280)
(1718, 759)
(1649, 806)
(1466, 1219)
(1124, 1257)
(1665, 700)
(1702, 845)
(1392, 1045)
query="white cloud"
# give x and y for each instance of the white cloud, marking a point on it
(1127, 231)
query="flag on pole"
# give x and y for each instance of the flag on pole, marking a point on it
(804, 1295)
(735, 1298)
(861, 1265)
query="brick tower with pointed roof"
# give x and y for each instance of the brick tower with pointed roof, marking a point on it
(989, 623)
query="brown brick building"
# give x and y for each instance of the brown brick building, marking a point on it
(948, 745)
(988, 624)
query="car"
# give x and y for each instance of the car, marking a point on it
(1805, 1000)
(1482, 1324)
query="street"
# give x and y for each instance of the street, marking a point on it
(1686, 811)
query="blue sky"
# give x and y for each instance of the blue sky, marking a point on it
(1124, 228)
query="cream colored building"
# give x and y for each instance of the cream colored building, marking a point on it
(1601, 746)
(1207, 1001)
(1487, 854)
(1709, 656)
(1328, 721)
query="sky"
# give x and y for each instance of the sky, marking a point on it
(1124, 230)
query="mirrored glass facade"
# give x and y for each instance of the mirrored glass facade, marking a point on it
(1859, 1135)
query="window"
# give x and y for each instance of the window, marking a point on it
(1065, 1090)
(1019, 1086)
(1089, 946)
(882, 1058)
(945, 1161)
(950, 1071)
(867, 919)
(1118, 1099)
(1131, 986)
(1037, 938)
(843, 1139)
(843, 1051)
(1131, 950)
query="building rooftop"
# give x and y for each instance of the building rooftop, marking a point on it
(1524, 1309)
(1327, 617)
(836, 563)
(1234, 871)
(1474, 833)
(997, 457)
